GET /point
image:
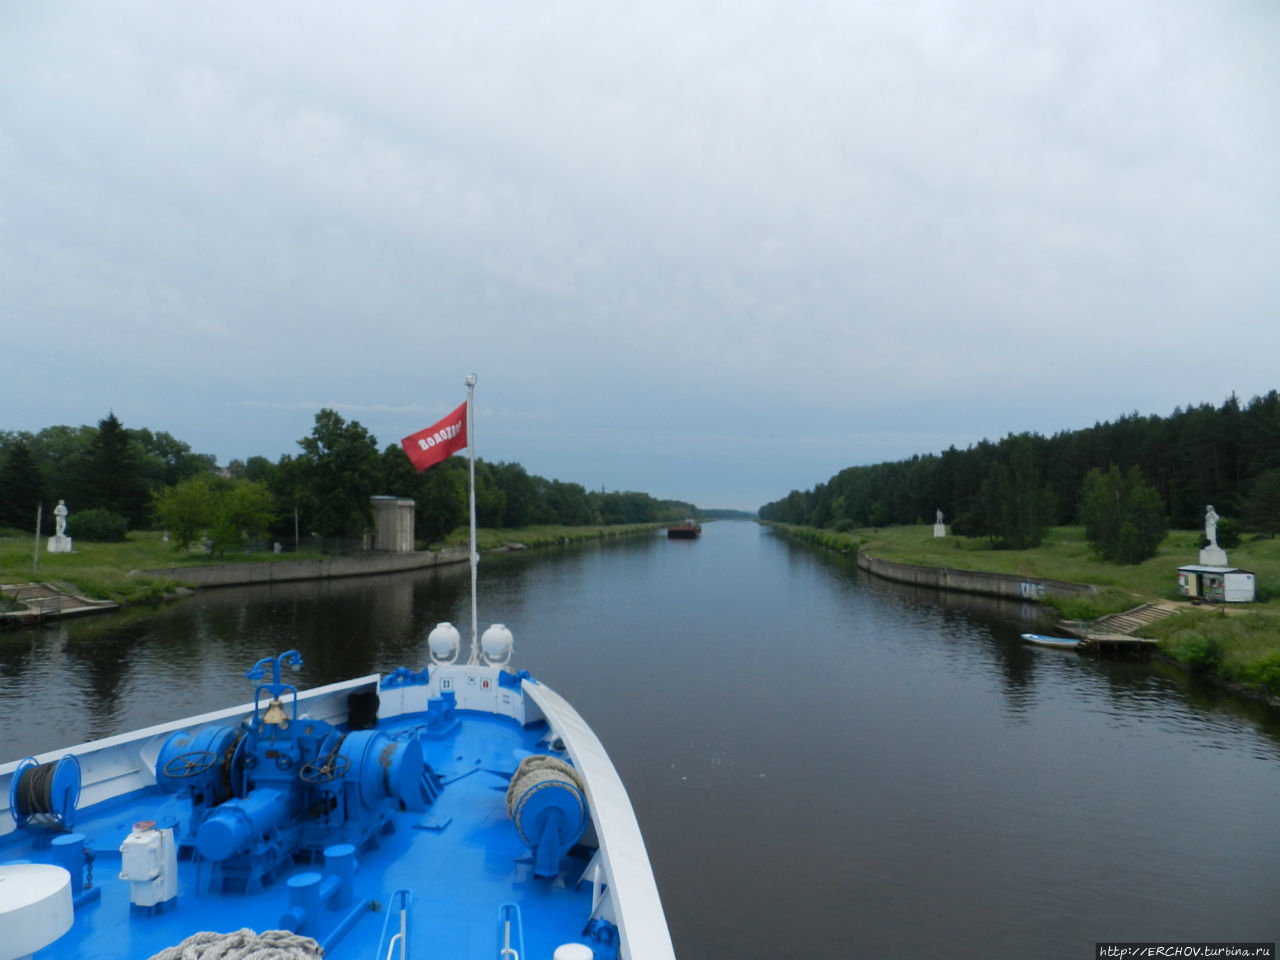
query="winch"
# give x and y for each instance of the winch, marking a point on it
(45, 794)
(287, 785)
(546, 801)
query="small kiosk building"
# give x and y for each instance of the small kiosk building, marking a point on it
(1216, 584)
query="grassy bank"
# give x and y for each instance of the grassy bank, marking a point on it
(100, 571)
(108, 571)
(1239, 644)
(542, 536)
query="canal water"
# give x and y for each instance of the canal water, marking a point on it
(823, 764)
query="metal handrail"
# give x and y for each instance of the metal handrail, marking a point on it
(506, 950)
(405, 900)
(508, 914)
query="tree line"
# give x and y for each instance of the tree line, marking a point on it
(1228, 456)
(115, 478)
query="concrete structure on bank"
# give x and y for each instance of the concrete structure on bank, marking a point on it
(393, 520)
(1009, 585)
(362, 565)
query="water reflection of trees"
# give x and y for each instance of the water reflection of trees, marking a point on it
(18, 651)
(1135, 686)
(131, 668)
(1000, 619)
(141, 666)
(995, 622)
(136, 667)
(342, 627)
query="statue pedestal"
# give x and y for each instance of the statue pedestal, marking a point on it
(1213, 557)
(939, 529)
(59, 543)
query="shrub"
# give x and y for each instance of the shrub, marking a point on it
(98, 525)
(1090, 606)
(1123, 515)
(1228, 535)
(1198, 654)
(1265, 673)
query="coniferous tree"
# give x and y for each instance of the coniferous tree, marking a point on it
(109, 475)
(1199, 454)
(1260, 510)
(22, 488)
(1017, 506)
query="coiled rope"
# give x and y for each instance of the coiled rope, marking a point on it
(537, 768)
(244, 944)
(35, 790)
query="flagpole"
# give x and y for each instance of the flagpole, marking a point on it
(471, 464)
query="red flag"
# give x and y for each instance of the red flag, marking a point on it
(439, 441)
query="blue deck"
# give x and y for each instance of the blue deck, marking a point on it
(462, 859)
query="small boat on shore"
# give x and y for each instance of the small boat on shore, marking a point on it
(688, 530)
(1056, 643)
(462, 810)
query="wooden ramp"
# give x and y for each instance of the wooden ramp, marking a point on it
(28, 603)
(1114, 632)
(1138, 617)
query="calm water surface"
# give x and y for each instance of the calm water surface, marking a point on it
(823, 764)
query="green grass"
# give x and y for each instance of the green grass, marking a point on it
(100, 571)
(1239, 644)
(1241, 647)
(488, 538)
(1065, 555)
(109, 571)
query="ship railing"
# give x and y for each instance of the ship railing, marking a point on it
(510, 932)
(399, 910)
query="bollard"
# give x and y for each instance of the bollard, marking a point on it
(304, 902)
(341, 863)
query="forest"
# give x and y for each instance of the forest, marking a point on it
(1228, 456)
(115, 478)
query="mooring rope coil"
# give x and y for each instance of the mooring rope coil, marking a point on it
(244, 944)
(537, 768)
(35, 790)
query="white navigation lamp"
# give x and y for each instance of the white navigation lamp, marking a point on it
(443, 643)
(496, 644)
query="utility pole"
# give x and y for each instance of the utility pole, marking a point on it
(35, 561)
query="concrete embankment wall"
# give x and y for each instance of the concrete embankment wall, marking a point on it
(1009, 585)
(238, 574)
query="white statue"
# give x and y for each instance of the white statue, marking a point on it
(938, 518)
(1212, 555)
(60, 542)
(1211, 525)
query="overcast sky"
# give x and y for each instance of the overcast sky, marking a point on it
(712, 251)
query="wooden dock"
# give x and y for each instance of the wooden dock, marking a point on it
(1113, 633)
(25, 604)
(1117, 643)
